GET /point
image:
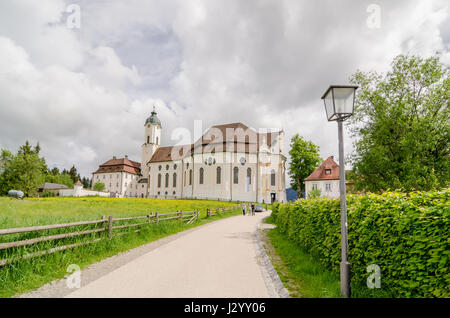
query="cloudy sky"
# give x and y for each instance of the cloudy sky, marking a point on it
(84, 93)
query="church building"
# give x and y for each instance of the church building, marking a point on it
(229, 162)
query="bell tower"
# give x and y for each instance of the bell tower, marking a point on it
(152, 141)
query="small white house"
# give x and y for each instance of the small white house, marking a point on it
(325, 178)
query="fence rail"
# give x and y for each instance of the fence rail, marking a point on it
(107, 225)
(218, 211)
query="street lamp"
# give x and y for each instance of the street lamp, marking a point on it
(339, 103)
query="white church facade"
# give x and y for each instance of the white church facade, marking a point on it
(229, 162)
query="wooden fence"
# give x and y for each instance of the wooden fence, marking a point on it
(104, 225)
(218, 211)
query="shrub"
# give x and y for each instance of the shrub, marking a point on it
(47, 194)
(405, 234)
(98, 186)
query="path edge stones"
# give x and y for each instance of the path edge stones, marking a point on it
(273, 282)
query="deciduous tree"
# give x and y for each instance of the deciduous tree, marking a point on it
(304, 160)
(401, 125)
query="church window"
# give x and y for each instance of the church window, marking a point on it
(159, 168)
(219, 175)
(174, 182)
(157, 140)
(167, 167)
(167, 180)
(159, 180)
(201, 175)
(249, 176)
(236, 175)
(190, 177)
(148, 139)
(272, 178)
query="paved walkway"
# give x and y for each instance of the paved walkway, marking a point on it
(220, 259)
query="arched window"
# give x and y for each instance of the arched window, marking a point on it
(174, 181)
(185, 178)
(157, 140)
(148, 139)
(249, 175)
(219, 175)
(167, 180)
(236, 175)
(201, 176)
(272, 178)
(190, 177)
(159, 180)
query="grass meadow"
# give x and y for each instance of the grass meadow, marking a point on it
(27, 274)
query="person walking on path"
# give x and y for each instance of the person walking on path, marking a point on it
(243, 209)
(253, 209)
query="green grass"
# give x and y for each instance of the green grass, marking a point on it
(304, 276)
(25, 275)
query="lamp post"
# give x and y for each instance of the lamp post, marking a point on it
(339, 103)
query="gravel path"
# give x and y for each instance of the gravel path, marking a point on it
(224, 258)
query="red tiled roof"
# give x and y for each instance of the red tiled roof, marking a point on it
(171, 153)
(215, 139)
(320, 174)
(120, 165)
(228, 134)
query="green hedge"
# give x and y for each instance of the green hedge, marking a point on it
(407, 235)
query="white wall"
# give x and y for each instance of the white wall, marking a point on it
(321, 185)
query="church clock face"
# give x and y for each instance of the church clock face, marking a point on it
(242, 161)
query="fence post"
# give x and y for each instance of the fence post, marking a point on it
(157, 217)
(181, 215)
(110, 223)
(103, 218)
(207, 213)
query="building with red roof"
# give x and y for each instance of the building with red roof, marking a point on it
(325, 178)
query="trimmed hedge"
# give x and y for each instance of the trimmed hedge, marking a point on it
(407, 235)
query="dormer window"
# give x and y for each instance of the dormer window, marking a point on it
(327, 171)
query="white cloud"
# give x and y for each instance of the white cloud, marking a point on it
(85, 94)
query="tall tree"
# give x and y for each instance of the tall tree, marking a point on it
(55, 171)
(24, 171)
(401, 124)
(304, 160)
(73, 174)
(85, 182)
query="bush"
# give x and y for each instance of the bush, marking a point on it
(47, 194)
(405, 234)
(98, 186)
